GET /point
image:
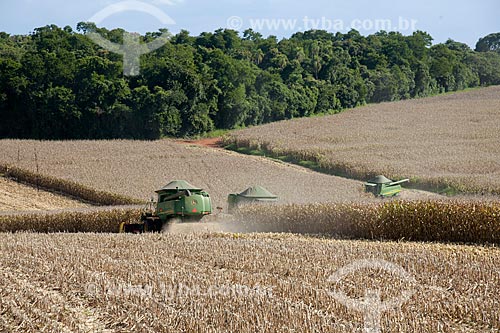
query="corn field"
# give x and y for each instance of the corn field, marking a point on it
(15, 196)
(67, 187)
(237, 283)
(135, 169)
(428, 221)
(103, 220)
(447, 143)
(67, 271)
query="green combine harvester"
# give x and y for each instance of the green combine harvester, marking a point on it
(383, 187)
(177, 200)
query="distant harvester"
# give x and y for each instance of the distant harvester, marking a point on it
(383, 187)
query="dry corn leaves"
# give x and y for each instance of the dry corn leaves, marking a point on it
(238, 283)
(442, 221)
(449, 140)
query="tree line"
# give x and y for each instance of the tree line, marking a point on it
(55, 83)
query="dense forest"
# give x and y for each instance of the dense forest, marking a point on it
(55, 83)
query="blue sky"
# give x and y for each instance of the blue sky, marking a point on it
(464, 21)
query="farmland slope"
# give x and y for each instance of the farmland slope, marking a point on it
(451, 139)
(137, 168)
(16, 197)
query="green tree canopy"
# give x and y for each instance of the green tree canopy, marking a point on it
(56, 83)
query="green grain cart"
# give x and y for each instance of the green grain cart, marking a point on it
(177, 200)
(252, 195)
(383, 187)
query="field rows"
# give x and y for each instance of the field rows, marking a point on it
(15, 196)
(450, 140)
(428, 221)
(93, 219)
(237, 283)
(138, 168)
(441, 221)
(65, 187)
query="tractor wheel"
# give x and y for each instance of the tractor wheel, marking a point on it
(153, 225)
(136, 228)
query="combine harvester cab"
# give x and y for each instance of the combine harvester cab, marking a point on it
(383, 187)
(252, 195)
(177, 200)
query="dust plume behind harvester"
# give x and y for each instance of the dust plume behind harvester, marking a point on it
(179, 202)
(383, 187)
